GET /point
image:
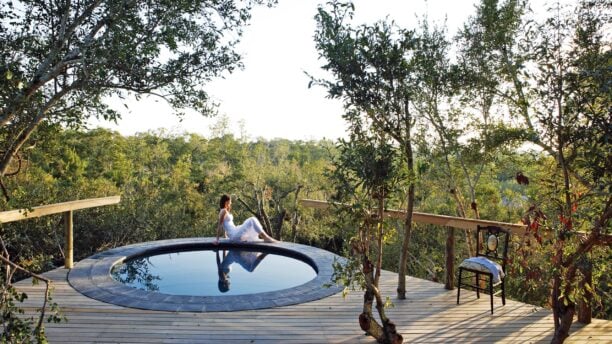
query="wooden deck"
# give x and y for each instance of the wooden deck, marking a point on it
(428, 315)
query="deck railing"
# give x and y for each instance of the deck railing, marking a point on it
(66, 209)
(433, 219)
(452, 222)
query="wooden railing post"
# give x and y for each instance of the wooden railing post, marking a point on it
(450, 259)
(69, 249)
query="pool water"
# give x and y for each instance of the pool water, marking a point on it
(229, 271)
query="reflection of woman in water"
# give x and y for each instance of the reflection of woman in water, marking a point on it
(249, 260)
(248, 231)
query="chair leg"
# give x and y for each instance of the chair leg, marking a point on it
(491, 292)
(477, 285)
(503, 292)
(459, 285)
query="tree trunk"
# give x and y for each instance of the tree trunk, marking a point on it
(295, 217)
(563, 308)
(366, 319)
(278, 224)
(295, 222)
(265, 220)
(386, 333)
(566, 317)
(469, 236)
(584, 304)
(402, 266)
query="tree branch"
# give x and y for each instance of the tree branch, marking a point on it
(18, 267)
(595, 237)
(18, 143)
(249, 209)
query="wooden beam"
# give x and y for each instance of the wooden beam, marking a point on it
(440, 220)
(43, 210)
(449, 255)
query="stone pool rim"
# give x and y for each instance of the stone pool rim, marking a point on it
(92, 278)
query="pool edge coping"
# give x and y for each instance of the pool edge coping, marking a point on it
(91, 277)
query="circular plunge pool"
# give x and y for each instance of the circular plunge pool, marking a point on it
(195, 275)
(206, 272)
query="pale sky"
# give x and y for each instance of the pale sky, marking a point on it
(271, 93)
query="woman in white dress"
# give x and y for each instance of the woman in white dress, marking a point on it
(250, 230)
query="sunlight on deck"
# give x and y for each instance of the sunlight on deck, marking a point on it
(429, 314)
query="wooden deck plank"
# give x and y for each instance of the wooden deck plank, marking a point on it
(428, 315)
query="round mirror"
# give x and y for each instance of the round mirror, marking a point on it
(492, 242)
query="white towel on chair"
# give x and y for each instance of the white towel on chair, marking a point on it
(485, 265)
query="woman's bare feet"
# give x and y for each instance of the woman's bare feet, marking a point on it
(269, 239)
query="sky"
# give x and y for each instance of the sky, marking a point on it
(271, 95)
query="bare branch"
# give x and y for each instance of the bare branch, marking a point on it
(596, 237)
(17, 267)
(18, 143)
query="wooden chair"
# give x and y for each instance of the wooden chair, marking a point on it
(491, 254)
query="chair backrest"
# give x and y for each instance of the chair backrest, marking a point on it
(492, 242)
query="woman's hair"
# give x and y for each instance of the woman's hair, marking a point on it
(223, 200)
(223, 285)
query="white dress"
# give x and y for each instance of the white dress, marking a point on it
(248, 231)
(249, 260)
